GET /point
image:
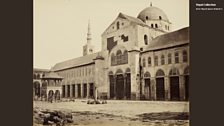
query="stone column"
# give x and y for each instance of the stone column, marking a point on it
(88, 85)
(46, 95)
(167, 88)
(108, 90)
(124, 86)
(138, 88)
(143, 88)
(40, 91)
(81, 90)
(153, 88)
(76, 90)
(182, 87)
(115, 77)
(71, 91)
(66, 92)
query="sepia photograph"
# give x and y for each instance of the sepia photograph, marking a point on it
(111, 62)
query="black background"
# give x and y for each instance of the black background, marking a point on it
(206, 66)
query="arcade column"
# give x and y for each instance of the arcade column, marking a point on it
(182, 87)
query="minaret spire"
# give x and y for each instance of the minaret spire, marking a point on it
(88, 48)
(89, 34)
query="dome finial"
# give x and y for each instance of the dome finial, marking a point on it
(150, 3)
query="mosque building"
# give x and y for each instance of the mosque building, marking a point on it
(141, 59)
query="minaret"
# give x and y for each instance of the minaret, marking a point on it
(89, 34)
(88, 48)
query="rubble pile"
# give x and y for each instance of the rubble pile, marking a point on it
(96, 102)
(48, 117)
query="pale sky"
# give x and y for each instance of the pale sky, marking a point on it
(60, 26)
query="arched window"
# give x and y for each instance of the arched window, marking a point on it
(146, 39)
(152, 25)
(149, 62)
(156, 61)
(118, 25)
(38, 76)
(162, 60)
(143, 62)
(160, 18)
(174, 71)
(146, 17)
(156, 25)
(125, 57)
(169, 58)
(176, 57)
(168, 27)
(185, 59)
(119, 57)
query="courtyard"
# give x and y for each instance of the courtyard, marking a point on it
(122, 113)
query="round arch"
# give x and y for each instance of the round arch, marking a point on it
(147, 75)
(119, 71)
(119, 52)
(110, 73)
(160, 73)
(128, 70)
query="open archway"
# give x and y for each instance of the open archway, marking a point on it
(160, 88)
(174, 84)
(147, 87)
(119, 84)
(57, 95)
(37, 92)
(50, 95)
(112, 85)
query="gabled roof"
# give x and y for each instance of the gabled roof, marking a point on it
(132, 19)
(83, 60)
(171, 39)
(52, 75)
(40, 70)
(129, 18)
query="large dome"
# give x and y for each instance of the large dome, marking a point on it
(152, 13)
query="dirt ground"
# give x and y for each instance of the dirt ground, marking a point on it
(123, 113)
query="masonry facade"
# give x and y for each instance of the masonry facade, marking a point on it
(141, 59)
